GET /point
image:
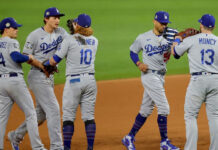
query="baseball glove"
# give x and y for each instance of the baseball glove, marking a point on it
(188, 32)
(169, 34)
(70, 25)
(49, 68)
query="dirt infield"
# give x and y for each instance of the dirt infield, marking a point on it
(118, 103)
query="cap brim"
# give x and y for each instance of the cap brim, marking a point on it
(19, 25)
(61, 15)
(75, 20)
(163, 21)
(200, 21)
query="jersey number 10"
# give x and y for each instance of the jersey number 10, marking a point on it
(210, 53)
(2, 61)
(86, 56)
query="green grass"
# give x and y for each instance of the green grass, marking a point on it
(116, 24)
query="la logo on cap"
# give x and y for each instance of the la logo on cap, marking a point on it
(165, 17)
(7, 24)
(156, 17)
(57, 10)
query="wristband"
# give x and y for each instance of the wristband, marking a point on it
(177, 40)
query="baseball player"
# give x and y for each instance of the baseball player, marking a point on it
(154, 47)
(12, 85)
(80, 87)
(202, 50)
(42, 43)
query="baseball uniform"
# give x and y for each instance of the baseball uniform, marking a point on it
(13, 89)
(42, 45)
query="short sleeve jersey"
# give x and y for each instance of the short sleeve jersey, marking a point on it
(202, 50)
(42, 45)
(80, 53)
(7, 65)
(153, 48)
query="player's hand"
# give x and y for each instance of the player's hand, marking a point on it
(178, 37)
(142, 67)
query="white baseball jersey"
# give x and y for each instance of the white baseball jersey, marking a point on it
(80, 53)
(202, 52)
(42, 44)
(7, 65)
(153, 47)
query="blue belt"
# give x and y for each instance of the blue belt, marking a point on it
(73, 75)
(159, 72)
(202, 73)
(10, 75)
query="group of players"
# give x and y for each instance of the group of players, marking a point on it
(156, 46)
(50, 44)
(43, 44)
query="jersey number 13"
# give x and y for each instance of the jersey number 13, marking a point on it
(207, 53)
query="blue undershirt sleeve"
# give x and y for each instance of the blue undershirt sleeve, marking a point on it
(18, 57)
(134, 57)
(57, 58)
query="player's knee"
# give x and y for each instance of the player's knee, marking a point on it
(146, 112)
(164, 110)
(87, 122)
(68, 123)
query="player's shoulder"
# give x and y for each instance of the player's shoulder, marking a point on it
(37, 32)
(60, 30)
(10, 40)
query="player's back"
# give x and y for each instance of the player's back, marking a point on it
(203, 53)
(7, 65)
(81, 54)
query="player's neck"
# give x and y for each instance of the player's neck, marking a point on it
(156, 32)
(48, 29)
(6, 35)
(206, 31)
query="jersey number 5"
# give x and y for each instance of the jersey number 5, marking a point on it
(210, 53)
(2, 61)
(86, 56)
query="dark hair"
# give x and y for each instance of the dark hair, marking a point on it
(44, 19)
(70, 25)
(1, 32)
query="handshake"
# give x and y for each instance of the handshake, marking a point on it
(169, 33)
(44, 66)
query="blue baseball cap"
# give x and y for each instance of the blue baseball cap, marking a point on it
(9, 22)
(207, 20)
(162, 17)
(83, 20)
(53, 11)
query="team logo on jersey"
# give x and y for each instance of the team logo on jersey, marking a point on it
(152, 50)
(29, 45)
(47, 47)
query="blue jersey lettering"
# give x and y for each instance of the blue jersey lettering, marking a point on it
(207, 41)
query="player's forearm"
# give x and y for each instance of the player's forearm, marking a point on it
(134, 57)
(173, 51)
(18, 57)
(54, 60)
